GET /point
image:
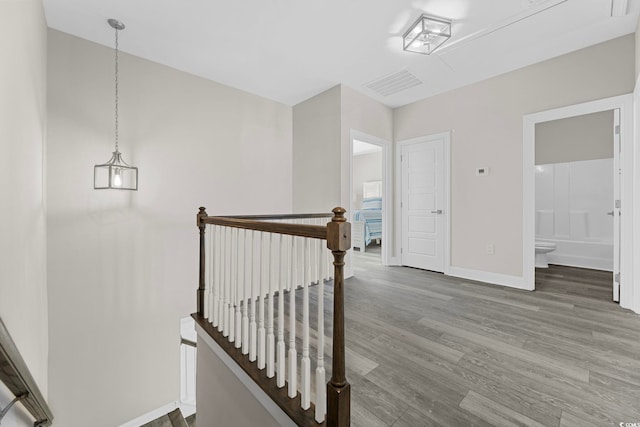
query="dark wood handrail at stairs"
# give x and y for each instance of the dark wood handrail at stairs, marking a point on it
(15, 374)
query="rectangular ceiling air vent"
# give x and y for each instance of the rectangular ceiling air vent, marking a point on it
(393, 83)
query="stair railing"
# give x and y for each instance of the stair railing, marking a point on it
(15, 374)
(249, 262)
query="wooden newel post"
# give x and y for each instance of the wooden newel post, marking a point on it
(338, 389)
(202, 213)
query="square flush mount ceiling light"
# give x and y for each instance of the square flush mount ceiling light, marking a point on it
(426, 35)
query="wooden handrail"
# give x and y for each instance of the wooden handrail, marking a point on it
(338, 389)
(15, 374)
(201, 217)
(337, 233)
(284, 216)
(302, 230)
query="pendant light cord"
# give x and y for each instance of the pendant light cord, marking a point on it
(116, 90)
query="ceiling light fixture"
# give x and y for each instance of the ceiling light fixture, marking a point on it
(116, 173)
(426, 34)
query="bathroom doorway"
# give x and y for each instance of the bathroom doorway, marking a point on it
(572, 198)
(576, 188)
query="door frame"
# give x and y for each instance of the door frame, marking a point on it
(387, 187)
(447, 193)
(625, 104)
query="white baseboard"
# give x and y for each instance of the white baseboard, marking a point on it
(185, 408)
(581, 262)
(489, 277)
(394, 262)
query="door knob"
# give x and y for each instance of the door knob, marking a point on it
(610, 213)
(438, 211)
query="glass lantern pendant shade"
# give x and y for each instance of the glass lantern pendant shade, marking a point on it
(116, 173)
(426, 35)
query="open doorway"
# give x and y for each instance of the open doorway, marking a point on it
(577, 186)
(366, 221)
(619, 283)
(370, 170)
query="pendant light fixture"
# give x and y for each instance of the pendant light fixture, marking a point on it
(116, 173)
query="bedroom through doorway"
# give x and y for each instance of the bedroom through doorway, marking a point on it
(367, 200)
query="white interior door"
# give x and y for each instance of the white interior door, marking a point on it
(617, 173)
(422, 205)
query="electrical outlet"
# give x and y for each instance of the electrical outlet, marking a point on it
(491, 249)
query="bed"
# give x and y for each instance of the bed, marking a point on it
(367, 223)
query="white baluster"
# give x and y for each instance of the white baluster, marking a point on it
(328, 257)
(226, 281)
(252, 324)
(322, 259)
(300, 267)
(314, 256)
(219, 277)
(305, 364)
(293, 354)
(246, 292)
(261, 330)
(213, 309)
(229, 279)
(271, 345)
(216, 276)
(233, 283)
(208, 252)
(280, 346)
(238, 289)
(321, 388)
(223, 243)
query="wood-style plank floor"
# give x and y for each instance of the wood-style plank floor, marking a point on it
(425, 349)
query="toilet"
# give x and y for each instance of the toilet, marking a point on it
(542, 249)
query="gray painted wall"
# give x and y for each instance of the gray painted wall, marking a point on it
(322, 144)
(486, 123)
(585, 137)
(316, 153)
(122, 268)
(23, 257)
(222, 398)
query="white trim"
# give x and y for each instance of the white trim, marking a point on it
(636, 200)
(387, 187)
(625, 104)
(446, 136)
(447, 203)
(158, 412)
(278, 414)
(487, 277)
(188, 356)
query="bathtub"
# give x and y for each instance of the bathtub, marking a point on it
(588, 253)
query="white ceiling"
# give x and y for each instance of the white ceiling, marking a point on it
(290, 50)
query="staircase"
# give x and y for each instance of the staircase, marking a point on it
(172, 419)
